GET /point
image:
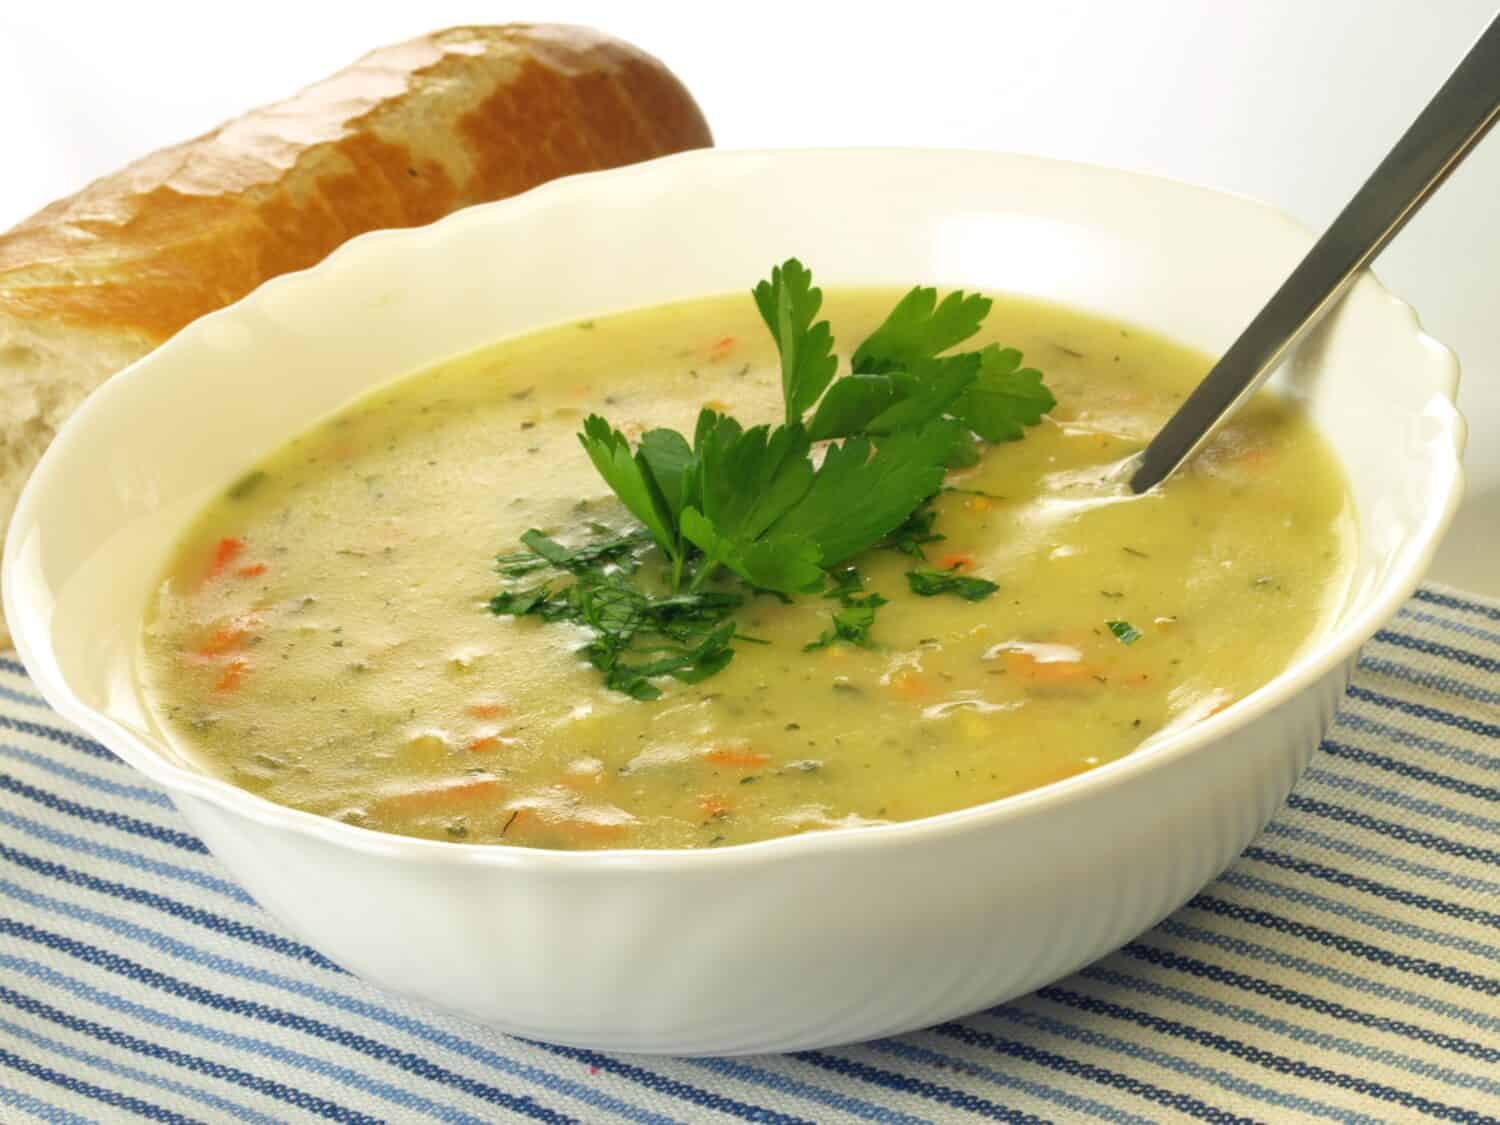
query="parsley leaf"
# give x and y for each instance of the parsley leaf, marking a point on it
(1005, 397)
(1126, 633)
(857, 499)
(631, 479)
(929, 582)
(788, 302)
(849, 406)
(749, 480)
(671, 462)
(919, 328)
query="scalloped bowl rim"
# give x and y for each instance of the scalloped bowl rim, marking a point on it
(1337, 646)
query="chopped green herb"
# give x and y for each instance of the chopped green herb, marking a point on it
(929, 582)
(852, 622)
(914, 533)
(686, 636)
(1127, 633)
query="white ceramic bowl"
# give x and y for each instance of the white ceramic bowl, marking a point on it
(790, 943)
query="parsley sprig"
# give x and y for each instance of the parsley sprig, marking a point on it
(756, 502)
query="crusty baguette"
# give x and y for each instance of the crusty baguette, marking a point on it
(402, 137)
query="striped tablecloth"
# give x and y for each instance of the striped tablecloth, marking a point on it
(1347, 968)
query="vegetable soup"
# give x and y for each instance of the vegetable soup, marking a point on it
(646, 665)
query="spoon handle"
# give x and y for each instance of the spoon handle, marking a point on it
(1442, 135)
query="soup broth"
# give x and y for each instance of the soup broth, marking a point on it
(321, 634)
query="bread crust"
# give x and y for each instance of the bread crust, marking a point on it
(404, 136)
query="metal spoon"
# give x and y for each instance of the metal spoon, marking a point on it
(1444, 133)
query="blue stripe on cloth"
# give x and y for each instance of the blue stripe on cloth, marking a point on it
(1462, 754)
(148, 1110)
(110, 819)
(83, 777)
(1075, 1103)
(22, 697)
(1415, 773)
(1025, 1015)
(1388, 891)
(743, 1071)
(1281, 1064)
(1386, 925)
(661, 1083)
(163, 943)
(1432, 681)
(59, 736)
(135, 1074)
(1384, 859)
(926, 1088)
(1488, 826)
(1341, 814)
(357, 1081)
(1423, 711)
(1299, 1033)
(1354, 982)
(1463, 628)
(12, 666)
(1450, 601)
(406, 1061)
(42, 1111)
(197, 915)
(1187, 1104)
(125, 856)
(1436, 648)
(1319, 935)
(1319, 1005)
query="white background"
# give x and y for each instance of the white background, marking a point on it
(1292, 101)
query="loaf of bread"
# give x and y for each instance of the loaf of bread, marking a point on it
(402, 137)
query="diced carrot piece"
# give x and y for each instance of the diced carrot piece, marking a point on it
(979, 503)
(1026, 667)
(224, 639)
(910, 684)
(722, 347)
(441, 797)
(228, 637)
(957, 560)
(232, 676)
(254, 570)
(736, 757)
(225, 552)
(714, 804)
(487, 710)
(487, 742)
